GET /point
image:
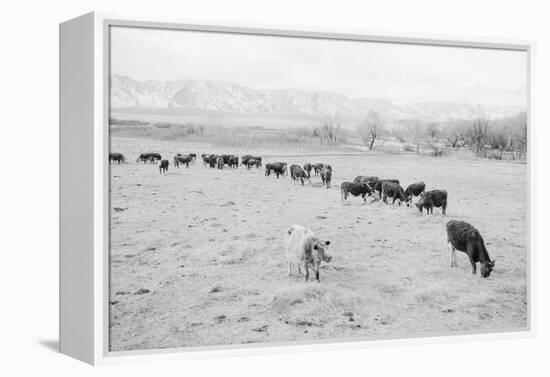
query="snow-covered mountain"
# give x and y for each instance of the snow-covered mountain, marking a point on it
(239, 99)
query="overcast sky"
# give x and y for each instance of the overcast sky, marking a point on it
(356, 69)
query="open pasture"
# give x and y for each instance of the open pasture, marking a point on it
(196, 255)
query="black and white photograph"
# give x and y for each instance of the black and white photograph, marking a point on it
(268, 189)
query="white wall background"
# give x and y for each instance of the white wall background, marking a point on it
(29, 185)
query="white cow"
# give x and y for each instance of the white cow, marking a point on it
(304, 249)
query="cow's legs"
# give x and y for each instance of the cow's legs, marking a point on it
(307, 272)
(473, 263)
(317, 272)
(445, 209)
(452, 251)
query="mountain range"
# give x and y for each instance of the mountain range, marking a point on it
(226, 97)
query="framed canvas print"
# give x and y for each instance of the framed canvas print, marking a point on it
(237, 189)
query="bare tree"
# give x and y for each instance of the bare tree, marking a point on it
(477, 133)
(417, 133)
(370, 128)
(330, 132)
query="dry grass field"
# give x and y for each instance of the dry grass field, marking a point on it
(197, 259)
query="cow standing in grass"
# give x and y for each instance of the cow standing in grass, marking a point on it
(163, 166)
(317, 168)
(431, 199)
(307, 168)
(184, 160)
(305, 250)
(464, 237)
(219, 162)
(415, 189)
(326, 176)
(117, 157)
(278, 168)
(298, 173)
(378, 186)
(394, 191)
(355, 189)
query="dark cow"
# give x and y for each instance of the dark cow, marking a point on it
(394, 191)
(149, 157)
(355, 189)
(431, 199)
(118, 157)
(307, 169)
(163, 166)
(278, 168)
(317, 168)
(184, 160)
(253, 162)
(378, 185)
(245, 158)
(219, 162)
(193, 156)
(326, 176)
(464, 237)
(234, 161)
(415, 189)
(227, 158)
(212, 160)
(296, 172)
(371, 181)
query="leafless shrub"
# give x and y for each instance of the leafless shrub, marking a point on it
(330, 132)
(370, 129)
(477, 133)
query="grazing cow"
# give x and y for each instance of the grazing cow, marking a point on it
(380, 182)
(234, 161)
(355, 189)
(219, 162)
(253, 162)
(149, 157)
(213, 160)
(304, 249)
(307, 169)
(163, 166)
(258, 161)
(245, 158)
(394, 191)
(297, 172)
(431, 199)
(118, 157)
(464, 237)
(326, 176)
(317, 168)
(184, 160)
(278, 168)
(193, 156)
(415, 189)
(227, 158)
(371, 181)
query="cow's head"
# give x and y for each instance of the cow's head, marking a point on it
(487, 268)
(321, 247)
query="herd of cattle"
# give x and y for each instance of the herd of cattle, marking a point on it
(303, 248)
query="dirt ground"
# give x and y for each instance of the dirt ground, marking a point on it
(197, 259)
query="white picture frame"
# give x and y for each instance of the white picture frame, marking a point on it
(84, 115)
